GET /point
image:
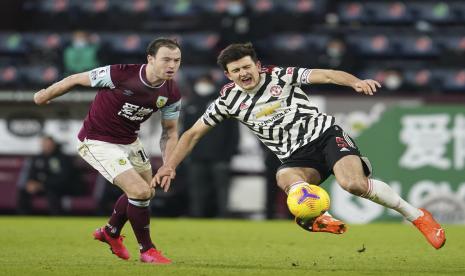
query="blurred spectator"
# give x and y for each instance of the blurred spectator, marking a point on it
(209, 163)
(235, 23)
(81, 55)
(51, 174)
(337, 56)
(393, 80)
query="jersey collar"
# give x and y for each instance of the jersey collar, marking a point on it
(143, 78)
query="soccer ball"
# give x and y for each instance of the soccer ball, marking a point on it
(308, 201)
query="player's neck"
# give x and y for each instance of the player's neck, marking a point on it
(151, 77)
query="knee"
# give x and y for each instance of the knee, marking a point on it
(142, 192)
(355, 186)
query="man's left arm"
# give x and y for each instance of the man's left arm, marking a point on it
(323, 76)
(169, 137)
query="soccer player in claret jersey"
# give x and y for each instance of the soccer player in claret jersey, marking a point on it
(127, 95)
(269, 101)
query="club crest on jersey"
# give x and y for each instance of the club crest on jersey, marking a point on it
(243, 106)
(161, 101)
(276, 90)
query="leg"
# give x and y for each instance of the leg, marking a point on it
(119, 216)
(349, 174)
(198, 189)
(24, 202)
(294, 177)
(286, 177)
(138, 211)
(221, 180)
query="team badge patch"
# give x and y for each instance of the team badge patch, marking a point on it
(122, 162)
(161, 101)
(276, 90)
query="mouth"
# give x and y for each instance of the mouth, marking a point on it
(246, 80)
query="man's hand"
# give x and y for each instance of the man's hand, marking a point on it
(33, 187)
(163, 177)
(367, 87)
(40, 97)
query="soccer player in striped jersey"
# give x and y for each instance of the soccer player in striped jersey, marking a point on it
(128, 95)
(270, 102)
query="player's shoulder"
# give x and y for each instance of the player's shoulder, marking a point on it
(127, 67)
(227, 88)
(274, 70)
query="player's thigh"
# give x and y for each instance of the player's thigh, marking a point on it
(133, 184)
(287, 176)
(350, 175)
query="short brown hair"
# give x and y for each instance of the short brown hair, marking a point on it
(156, 44)
(235, 52)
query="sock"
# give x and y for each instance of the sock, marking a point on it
(138, 212)
(118, 218)
(381, 193)
(294, 186)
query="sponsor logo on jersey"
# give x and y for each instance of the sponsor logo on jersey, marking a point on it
(290, 70)
(93, 75)
(276, 90)
(268, 110)
(161, 101)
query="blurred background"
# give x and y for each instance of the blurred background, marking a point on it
(413, 131)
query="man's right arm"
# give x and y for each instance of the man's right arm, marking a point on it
(59, 88)
(185, 145)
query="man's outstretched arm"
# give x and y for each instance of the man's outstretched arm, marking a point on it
(185, 145)
(367, 87)
(59, 88)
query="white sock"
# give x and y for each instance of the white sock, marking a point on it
(295, 185)
(381, 193)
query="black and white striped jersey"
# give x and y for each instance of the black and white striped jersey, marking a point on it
(277, 110)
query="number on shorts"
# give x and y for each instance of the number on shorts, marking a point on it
(143, 156)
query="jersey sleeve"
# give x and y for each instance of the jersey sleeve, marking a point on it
(173, 106)
(295, 76)
(171, 112)
(215, 113)
(101, 77)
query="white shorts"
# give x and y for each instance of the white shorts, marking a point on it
(113, 159)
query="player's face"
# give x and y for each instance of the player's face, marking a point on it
(165, 63)
(244, 72)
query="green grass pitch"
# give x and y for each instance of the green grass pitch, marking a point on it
(64, 246)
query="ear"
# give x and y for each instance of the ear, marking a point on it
(149, 58)
(259, 66)
(226, 73)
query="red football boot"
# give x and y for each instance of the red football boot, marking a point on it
(432, 231)
(154, 256)
(323, 223)
(116, 244)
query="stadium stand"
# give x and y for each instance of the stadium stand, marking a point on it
(386, 33)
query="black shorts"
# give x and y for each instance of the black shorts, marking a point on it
(322, 153)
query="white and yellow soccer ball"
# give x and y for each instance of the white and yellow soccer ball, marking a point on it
(308, 201)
